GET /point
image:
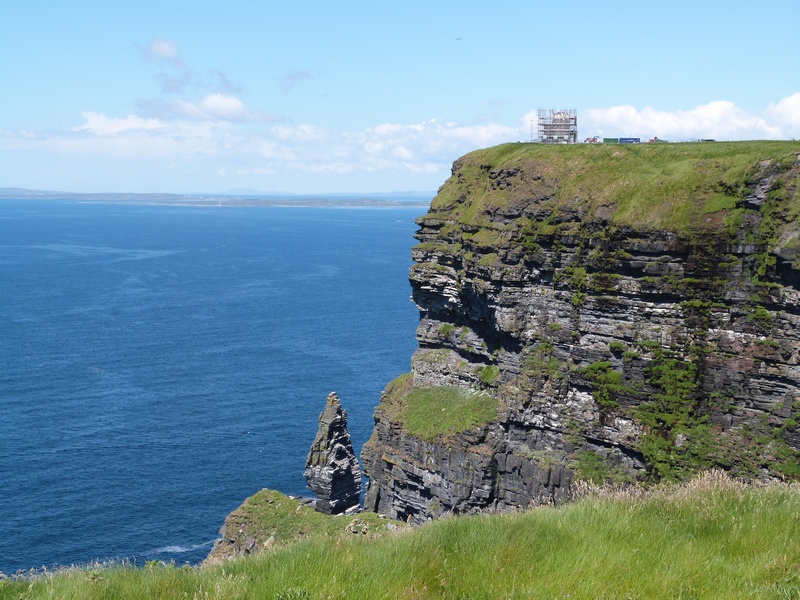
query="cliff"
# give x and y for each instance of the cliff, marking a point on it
(625, 313)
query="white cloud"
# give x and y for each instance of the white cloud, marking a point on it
(488, 134)
(786, 112)
(212, 107)
(176, 76)
(164, 49)
(425, 148)
(218, 133)
(300, 133)
(226, 108)
(218, 104)
(434, 137)
(100, 124)
(721, 120)
(12, 134)
(402, 152)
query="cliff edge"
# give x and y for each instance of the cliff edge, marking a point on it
(613, 313)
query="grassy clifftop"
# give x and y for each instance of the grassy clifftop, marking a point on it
(712, 538)
(652, 186)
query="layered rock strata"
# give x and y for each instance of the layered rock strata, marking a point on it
(332, 469)
(633, 313)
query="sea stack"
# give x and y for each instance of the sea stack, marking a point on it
(332, 469)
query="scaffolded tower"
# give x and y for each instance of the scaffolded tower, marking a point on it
(558, 126)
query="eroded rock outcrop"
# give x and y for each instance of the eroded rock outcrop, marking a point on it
(633, 312)
(332, 469)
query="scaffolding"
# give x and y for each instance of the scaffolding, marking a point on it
(558, 126)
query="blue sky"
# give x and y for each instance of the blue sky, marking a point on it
(374, 96)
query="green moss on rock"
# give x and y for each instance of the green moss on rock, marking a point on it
(437, 412)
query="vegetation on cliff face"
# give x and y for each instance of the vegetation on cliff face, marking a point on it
(633, 309)
(712, 538)
(437, 412)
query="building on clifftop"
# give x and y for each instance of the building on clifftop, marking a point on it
(558, 126)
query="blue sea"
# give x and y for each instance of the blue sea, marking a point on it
(158, 364)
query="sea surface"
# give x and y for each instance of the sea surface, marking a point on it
(158, 364)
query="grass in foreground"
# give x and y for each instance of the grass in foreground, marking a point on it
(712, 538)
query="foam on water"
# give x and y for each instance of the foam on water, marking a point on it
(179, 549)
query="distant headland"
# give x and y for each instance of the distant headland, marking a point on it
(383, 199)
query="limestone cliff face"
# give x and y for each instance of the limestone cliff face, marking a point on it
(633, 313)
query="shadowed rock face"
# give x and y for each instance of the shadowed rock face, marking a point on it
(332, 469)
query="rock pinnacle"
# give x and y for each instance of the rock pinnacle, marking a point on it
(332, 469)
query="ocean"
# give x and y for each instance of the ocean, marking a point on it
(160, 364)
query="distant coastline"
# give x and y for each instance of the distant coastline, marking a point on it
(391, 199)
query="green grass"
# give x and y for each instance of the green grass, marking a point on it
(445, 329)
(437, 412)
(665, 186)
(718, 203)
(488, 373)
(429, 413)
(712, 538)
(270, 514)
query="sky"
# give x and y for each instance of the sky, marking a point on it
(313, 97)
